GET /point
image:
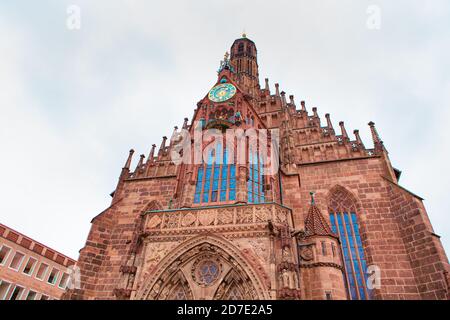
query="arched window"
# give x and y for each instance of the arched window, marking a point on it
(216, 180)
(255, 184)
(241, 47)
(344, 222)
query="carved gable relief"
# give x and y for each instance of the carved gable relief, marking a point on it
(197, 270)
(155, 252)
(257, 246)
(244, 248)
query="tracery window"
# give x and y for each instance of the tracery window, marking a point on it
(255, 184)
(208, 272)
(178, 293)
(344, 223)
(234, 294)
(216, 180)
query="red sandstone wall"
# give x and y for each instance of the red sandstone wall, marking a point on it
(425, 251)
(110, 239)
(410, 257)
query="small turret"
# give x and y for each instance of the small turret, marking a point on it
(314, 109)
(283, 99)
(277, 89)
(151, 155)
(185, 123)
(124, 174)
(329, 124)
(291, 100)
(343, 131)
(302, 103)
(378, 144)
(320, 258)
(358, 138)
(163, 145)
(139, 165)
(128, 162)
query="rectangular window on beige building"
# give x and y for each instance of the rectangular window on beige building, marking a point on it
(16, 293)
(53, 276)
(31, 295)
(17, 261)
(4, 287)
(63, 282)
(42, 271)
(4, 253)
(29, 267)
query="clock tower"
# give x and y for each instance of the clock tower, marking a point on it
(245, 63)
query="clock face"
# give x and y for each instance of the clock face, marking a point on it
(222, 92)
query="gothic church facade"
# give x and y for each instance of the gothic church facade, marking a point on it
(332, 222)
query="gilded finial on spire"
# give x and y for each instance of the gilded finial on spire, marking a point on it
(244, 35)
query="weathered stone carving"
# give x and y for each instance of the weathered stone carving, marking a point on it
(154, 222)
(244, 215)
(306, 253)
(194, 218)
(171, 220)
(261, 214)
(225, 216)
(188, 220)
(206, 218)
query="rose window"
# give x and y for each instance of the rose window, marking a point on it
(208, 272)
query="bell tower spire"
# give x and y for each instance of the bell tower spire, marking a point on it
(243, 57)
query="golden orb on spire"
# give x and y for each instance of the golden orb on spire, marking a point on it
(244, 35)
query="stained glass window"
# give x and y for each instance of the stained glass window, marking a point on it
(255, 184)
(216, 180)
(346, 226)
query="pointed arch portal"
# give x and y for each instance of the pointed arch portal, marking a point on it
(204, 267)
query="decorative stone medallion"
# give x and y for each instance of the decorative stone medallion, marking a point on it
(188, 220)
(206, 218)
(306, 253)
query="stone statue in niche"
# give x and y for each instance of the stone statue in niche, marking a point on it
(286, 254)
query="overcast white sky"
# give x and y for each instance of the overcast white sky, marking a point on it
(73, 102)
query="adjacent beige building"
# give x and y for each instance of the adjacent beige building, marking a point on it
(30, 270)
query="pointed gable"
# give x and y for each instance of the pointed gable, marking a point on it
(315, 223)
